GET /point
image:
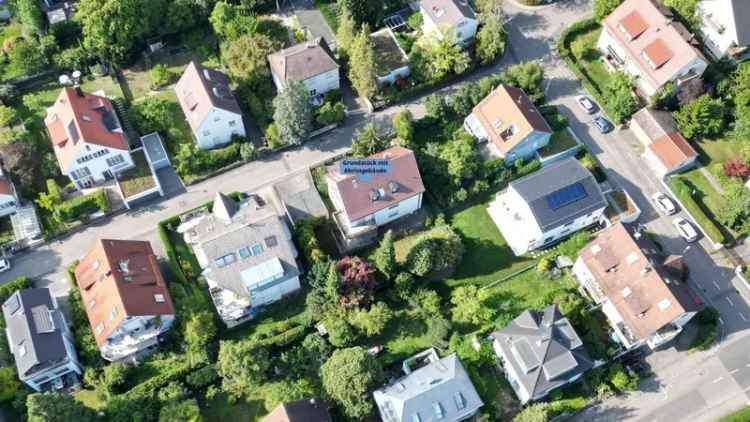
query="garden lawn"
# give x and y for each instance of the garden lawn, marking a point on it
(709, 198)
(590, 60)
(404, 336)
(717, 150)
(330, 11)
(561, 141)
(89, 398)
(220, 409)
(138, 179)
(487, 257)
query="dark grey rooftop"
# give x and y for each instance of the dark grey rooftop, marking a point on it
(559, 193)
(35, 330)
(543, 348)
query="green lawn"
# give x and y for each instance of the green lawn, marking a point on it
(717, 150)
(330, 11)
(90, 399)
(561, 141)
(220, 409)
(707, 197)
(404, 336)
(487, 256)
(589, 58)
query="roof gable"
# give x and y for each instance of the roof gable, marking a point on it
(303, 61)
(448, 12)
(200, 90)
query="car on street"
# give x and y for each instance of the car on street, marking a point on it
(664, 203)
(586, 104)
(685, 229)
(4, 264)
(603, 124)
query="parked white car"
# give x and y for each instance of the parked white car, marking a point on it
(664, 203)
(586, 104)
(4, 264)
(685, 229)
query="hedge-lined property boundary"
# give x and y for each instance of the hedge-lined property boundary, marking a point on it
(683, 192)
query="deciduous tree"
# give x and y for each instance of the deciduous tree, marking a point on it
(181, 411)
(618, 96)
(246, 57)
(30, 15)
(491, 39)
(403, 125)
(372, 321)
(469, 305)
(358, 282)
(242, 365)
(292, 113)
(348, 377)
(701, 117)
(602, 8)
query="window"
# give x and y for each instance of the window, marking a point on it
(225, 260)
(244, 252)
(438, 409)
(393, 207)
(271, 241)
(159, 298)
(22, 350)
(256, 249)
(232, 123)
(92, 303)
(393, 214)
(415, 418)
(116, 160)
(206, 132)
(80, 173)
(217, 118)
(113, 314)
(99, 328)
(313, 91)
(460, 401)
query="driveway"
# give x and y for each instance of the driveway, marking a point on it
(311, 19)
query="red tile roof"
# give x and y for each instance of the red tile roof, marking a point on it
(355, 193)
(658, 53)
(633, 24)
(83, 114)
(672, 150)
(122, 275)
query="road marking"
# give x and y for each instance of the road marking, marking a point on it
(730, 301)
(733, 371)
(743, 317)
(717, 380)
(717, 285)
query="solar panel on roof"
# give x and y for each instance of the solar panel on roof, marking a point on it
(567, 195)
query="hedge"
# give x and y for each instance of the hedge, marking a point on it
(149, 387)
(285, 338)
(684, 194)
(304, 234)
(83, 205)
(563, 47)
(172, 261)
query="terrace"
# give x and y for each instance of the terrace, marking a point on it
(138, 181)
(391, 61)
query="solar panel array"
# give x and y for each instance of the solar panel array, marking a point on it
(566, 196)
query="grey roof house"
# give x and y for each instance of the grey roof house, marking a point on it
(540, 351)
(548, 205)
(40, 340)
(432, 389)
(247, 255)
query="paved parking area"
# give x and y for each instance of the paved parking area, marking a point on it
(311, 19)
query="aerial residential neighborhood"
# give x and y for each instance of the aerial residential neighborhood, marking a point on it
(361, 210)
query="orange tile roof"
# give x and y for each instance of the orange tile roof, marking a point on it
(672, 150)
(658, 53)
(355, 193)
(639, 288)
(505, 108)
(122, 275)
(660, 25)
(85, 115)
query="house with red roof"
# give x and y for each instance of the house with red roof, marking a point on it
(665, 149)
(367, 200)
(87, 137)
(643, 38)
(210, 108)
(126, 298)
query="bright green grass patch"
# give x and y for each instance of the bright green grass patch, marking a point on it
(742, 415)
(90, 399)
(561, 141)
(405, 335)
(584, 49)
(221, 410)
(718, 150)
(487, 256)
(705, 194)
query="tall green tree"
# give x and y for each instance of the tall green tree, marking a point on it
(230, 21)
(704, 116)
(439, 56)
(491, 39)
(687, 10)
(200, 330)
(349, 376)
(26, 56)
(246, 57)
(462, 157)
(54, 407)
(362, 11)
(469, 305)
(385, 256)
(346, 32)
(30, 16)
(181, 411)
(293, 113)
(285, 391)
(362, 65)
(368, 141)
(618, 97)
(9, 384)
(112, 28)
(403, 125)
(602, 8)
(529, 77)
(242, 366)
(371, 322)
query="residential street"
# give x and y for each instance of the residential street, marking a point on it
(695, 387)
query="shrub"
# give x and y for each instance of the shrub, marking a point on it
(273, 137)
(202, 377)
(329, 113)
(247, 151)
(544, 265)
(736, 167)
(160, 76)
(8, 115)
(83, 205)
(415, 21)
(436, 250)
(307, 240)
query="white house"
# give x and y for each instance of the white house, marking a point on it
(40, 341)
(8, 195)
(643, 39)
(247, 254)
(126, 298)
(364, 202)
(310, 62)
(644, 296)
(509, 120)
(210, 107)
(665, 149)
(725, 27)
(540, 351)
(548, 205)
(449, 16)
(87, 137)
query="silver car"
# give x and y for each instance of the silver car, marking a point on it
(664, 204)
(586, 104)
(685, 229)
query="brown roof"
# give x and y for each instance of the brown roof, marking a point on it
(302, 61)
(309, 410)
(658, 53)
(121, 274)
(355, 193)
(200, 89)
(630, 17)
(629, 270)
(505, 108)
(447, 11)
(672, 150)
(85, 116)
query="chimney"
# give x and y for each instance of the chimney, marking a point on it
(79, 91)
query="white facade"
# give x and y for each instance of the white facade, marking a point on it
(217, 128)
(8, 202)
(134, 335)
(379, 218)
(718, 27)
(464, 30)
(94, 164)
(645, 84)
(617, 322)
(317, 85)
(515, 220)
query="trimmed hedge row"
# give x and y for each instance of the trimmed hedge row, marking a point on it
(684, 193)
(83, 205)
(172, 262)
(304, 235)
(146, 389)
(284, 339)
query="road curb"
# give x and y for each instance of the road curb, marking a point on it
(531, 8)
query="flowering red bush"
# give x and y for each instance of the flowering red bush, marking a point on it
(737, 167)
(358, 281)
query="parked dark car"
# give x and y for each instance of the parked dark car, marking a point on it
(603, 124)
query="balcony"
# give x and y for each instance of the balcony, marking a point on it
(232, 309)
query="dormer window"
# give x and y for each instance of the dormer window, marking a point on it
(159, 298)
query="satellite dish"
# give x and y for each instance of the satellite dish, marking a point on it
(76, 74)
(64, 79)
